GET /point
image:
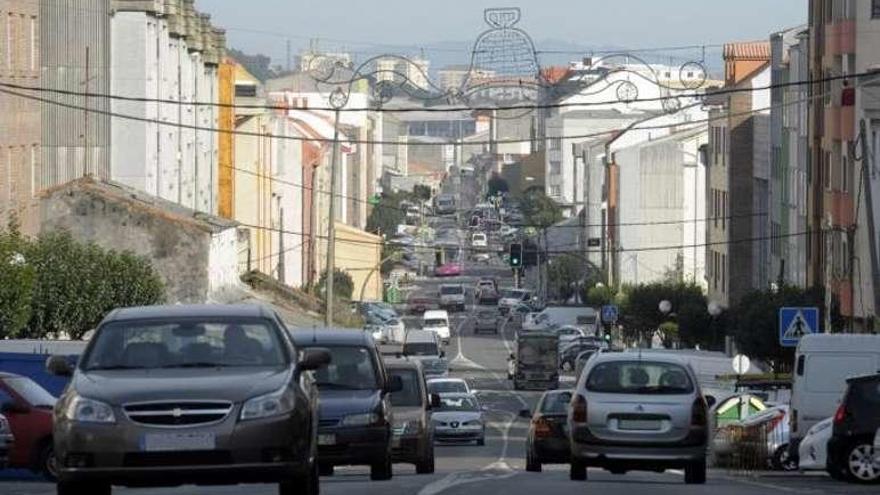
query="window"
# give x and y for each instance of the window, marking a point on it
(555, 191)
(723, 210)
(875, 9)
(35, 53)
(555, 167)
(246, 90)
(555, 143)
(10, 40)
(826, 170)
(723, 273)
(845, 178)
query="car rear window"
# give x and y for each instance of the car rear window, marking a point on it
(435, 322)
(409, 395)
(639, 377)
(865, 393)
(556, 403)
(446, 290)
(444, 387)
(420, 349)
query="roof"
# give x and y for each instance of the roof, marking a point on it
(190, 311)
(749, 50)
(420, 336)
(324, 336)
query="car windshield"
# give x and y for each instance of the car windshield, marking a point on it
(556, 403)
(31, 392)
(187, 343)
(420, 349)
(468, 404)
(410, 394)
(435, 322)
(350, 368)
(540, 351)
(451, 290)
(447, 387)
(639, 377)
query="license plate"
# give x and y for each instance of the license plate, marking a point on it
(638, 424)
(326, 439)
(177, 442)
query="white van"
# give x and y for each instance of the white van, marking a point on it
(437, 321)
(823, 362)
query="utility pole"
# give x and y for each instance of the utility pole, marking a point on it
(281, 267)
(867, 166)
(337, 101)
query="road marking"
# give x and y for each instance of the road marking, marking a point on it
(460, 359)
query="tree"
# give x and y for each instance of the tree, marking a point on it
(16, 284)
(565, 275)
(422, 192)
(540, 211)
(258, 65)
(343, 285)
(641, 316)
(754, 322)
(388, 214)
(497, 185)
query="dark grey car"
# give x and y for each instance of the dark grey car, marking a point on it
(413, 433)
(166, 396)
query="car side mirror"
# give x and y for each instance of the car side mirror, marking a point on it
(15, 408)
(710, 401)
(59, 366)
(525, 414)
(434, 402)
(394, 384)
(442, 354)
(313, 359)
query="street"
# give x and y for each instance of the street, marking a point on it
(498, 467)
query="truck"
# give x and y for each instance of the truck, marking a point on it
(536, 361)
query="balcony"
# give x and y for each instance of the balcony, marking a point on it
(840, 37)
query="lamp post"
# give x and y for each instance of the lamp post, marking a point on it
(338, 99)
(715, 311)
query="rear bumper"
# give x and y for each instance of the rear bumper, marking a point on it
(551, 450)
(636, 455)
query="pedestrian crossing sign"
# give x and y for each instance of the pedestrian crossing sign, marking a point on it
(794, 323)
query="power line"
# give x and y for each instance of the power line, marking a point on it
(445, 109)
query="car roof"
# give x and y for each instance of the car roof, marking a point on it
(458, 395)
(643, 355)
(462, 380)
(323, 336)
(419, 336)
(436, 312)
(403, 363)
(190, 311)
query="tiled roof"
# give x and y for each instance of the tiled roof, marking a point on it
(751, 50)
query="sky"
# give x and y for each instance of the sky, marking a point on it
(360, 25)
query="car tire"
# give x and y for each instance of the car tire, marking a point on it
(47, 464)
(695, 473)
(426, 465)
(782, 460)
(861, 465)
(304, 484)
(325, 470)
(532, 464)
(481, 441)
(77, 488)
(577, 471)
(382, 471)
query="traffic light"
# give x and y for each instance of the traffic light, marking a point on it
(516, 258)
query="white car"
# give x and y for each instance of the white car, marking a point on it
(448, 386)
(459, 418)
(480, 240)
(437, 321)
(813, 449)
(567, 334)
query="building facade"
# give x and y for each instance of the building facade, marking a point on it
(20, 133)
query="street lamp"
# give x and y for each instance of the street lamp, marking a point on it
(665, 307)
(338, 100)
(715, 311)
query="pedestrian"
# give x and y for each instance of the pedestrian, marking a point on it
(511, 366)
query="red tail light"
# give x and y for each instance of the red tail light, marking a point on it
(699, 413)
(840, 415)
(579, 409)
(542, 428)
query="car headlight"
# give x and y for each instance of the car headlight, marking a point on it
(264, 406)
(85, 410)
(366, 419)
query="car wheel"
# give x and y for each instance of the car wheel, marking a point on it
(481, 441)
(532, 464)
(695, 473)
(382, 471)
(305, 484)
(782, 460)
(325, 470)
(75, 488)
(426, 465)
(577, 470)
(48, 464)
(862, 466)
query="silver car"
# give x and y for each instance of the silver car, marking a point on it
(459, 418)
(638, 411)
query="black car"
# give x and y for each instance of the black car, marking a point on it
(413, 440)
(851, 449)
(356, 416)
(176, 395)
(486, 320)
(547, 441)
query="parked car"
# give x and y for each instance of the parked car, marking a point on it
(852, 450)
(813, 451)
(459, 418)
(768, 434)
(452, 297)
(486, 320)
(356, 413)
(448, 386)
(7, 441)
(823, 363)
(187, 391)
(638, 412)
(437, 321)
(425, 346)
(413, 437)
(479, 240)
(453, 269)
(28, 408)
(547, 440)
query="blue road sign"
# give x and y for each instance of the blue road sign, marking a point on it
(610, 314)
(794, 323)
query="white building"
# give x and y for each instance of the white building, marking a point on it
(167, 54)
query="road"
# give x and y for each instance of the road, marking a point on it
(498, 467)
